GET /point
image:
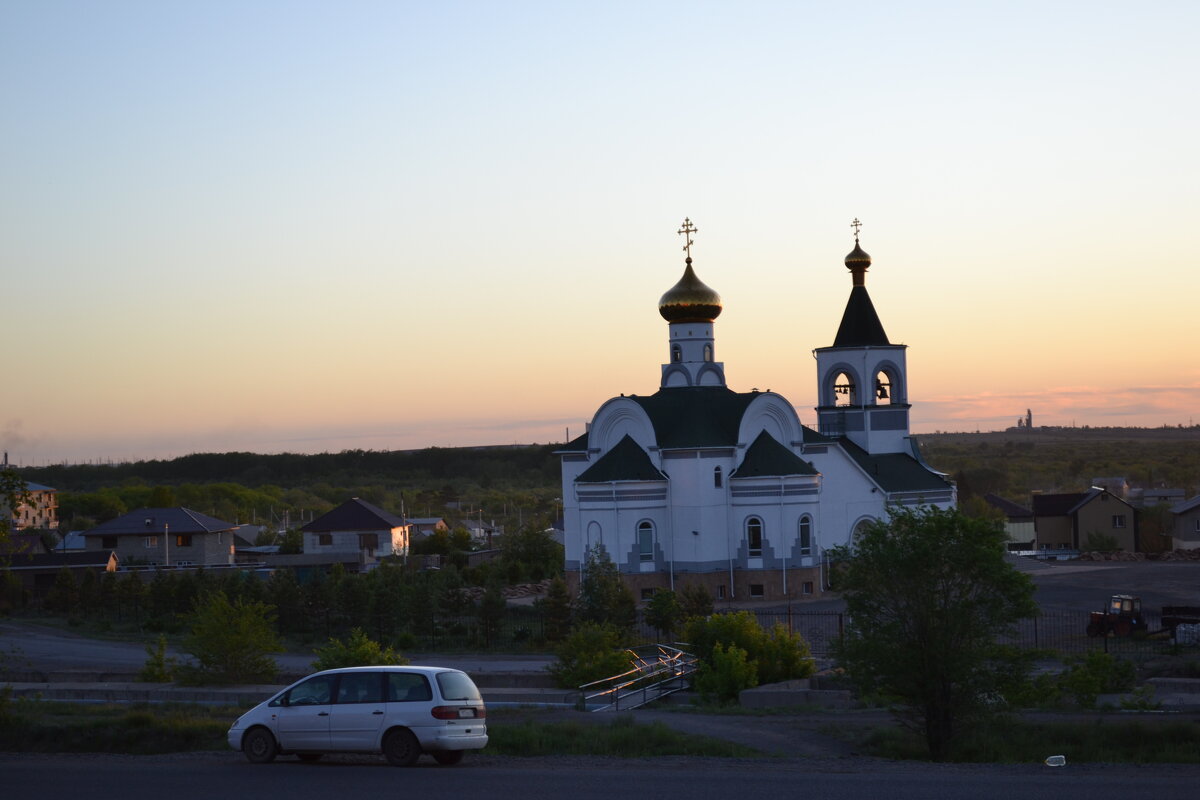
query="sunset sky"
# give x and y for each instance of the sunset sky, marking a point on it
(291, 226)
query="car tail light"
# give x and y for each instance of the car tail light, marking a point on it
(458, 712)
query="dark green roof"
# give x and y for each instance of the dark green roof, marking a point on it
(860, 324)
(577, 445)
(812, 437)
(696, 416)
(627, 461)
(767, 457)
(895, 472)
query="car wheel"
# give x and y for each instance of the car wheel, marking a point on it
(448, 758)
(259, 746)
(309, 757)
(401, 748)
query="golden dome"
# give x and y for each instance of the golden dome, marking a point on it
(857, 262)
(690, 300)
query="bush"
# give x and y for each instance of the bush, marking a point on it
(357, 651)
(592, 652)
(776, 656)
(725, 674)
(232, 642)
(159, 668)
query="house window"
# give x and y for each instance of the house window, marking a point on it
(183, 540)
(1118, 520)
(1198, 524)
(806, 535)
(367, 542)
(720, 591)
(756, 590)
(647, 594)
(110, 542)
(645, 533)
(676, 354)
(150, 541)
(806, 587)
(754, 536)
(325, 539)
(717, 477)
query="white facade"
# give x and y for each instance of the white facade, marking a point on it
(698, 483)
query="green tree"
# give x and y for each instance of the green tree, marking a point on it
(492, 609)
(534, 551)
(12, 496)
(603, 596)
(695, 601)
(556, 609)
(927, 593)
(358, 650)
(233, 642)
(663, 612)
(776, 655)
(592, 652)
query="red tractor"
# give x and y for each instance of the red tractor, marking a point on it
(1123, 617)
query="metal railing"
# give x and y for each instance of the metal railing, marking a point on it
(658, 670)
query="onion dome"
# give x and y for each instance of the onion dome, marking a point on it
(690, 300)
(857, 262)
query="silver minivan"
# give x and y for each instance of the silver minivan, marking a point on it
(401, 712)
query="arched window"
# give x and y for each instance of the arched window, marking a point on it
(708, 352)
(645, 532)
(676, 354)
(805, 535)
(754, 536)
(595, 536)
(845, 393)
(883, 389)
(717, 477)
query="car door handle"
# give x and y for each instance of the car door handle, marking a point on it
(377, 712)
(322, 713)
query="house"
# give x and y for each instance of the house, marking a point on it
(39, 509)
(359, 528)
(1187, 524)
(727, 489)
(1066, 521)
(483, 533)
(424, 526)
(174, 537)
(1018, 522)
(1162, 495)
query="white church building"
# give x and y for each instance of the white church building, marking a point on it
(698, 483)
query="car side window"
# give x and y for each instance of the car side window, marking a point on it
(408, 687)
(313, 692)
(360, 687)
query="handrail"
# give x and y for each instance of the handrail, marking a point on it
(651, 678)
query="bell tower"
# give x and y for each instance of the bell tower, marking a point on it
(862, 380)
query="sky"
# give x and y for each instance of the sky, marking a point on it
(307, 227)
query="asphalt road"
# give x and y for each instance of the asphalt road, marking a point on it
(204, 776)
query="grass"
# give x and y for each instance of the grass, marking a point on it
(30, 726)
(619, 736)
(1101, 740)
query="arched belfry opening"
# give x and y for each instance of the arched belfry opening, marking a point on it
(845, 392)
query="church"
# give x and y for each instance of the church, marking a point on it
(698, 483)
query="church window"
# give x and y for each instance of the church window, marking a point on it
(708, 352)
(754, 536)
(844, 393)
(646, 540)
(756, 590)
(717, 477)
(806, 535)
(676, 354)
(720, 591)
(806, 587)
(884, 392)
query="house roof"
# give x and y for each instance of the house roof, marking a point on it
(860, 323)
(149, 521)
(895, 472)
(37, 487)
(696, 416)
(1186, 505)
(1011, 510)
(354, 515)
(626, 461)
(1056, 505)
(767, 457)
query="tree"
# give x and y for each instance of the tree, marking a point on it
(556, 608)
(663, 612)
(233, 642)
(492, 609)
(358, 650)
(603, 596)
(695, 601)
(927, 593)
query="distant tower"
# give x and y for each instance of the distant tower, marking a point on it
(1028, 419)
(691, 307)
(862, 390)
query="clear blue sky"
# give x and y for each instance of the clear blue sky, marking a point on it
(302, 226)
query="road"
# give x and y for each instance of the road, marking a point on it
(208, 775)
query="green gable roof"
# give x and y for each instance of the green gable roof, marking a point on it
(767, 457)
(696, 416)
(627, 461)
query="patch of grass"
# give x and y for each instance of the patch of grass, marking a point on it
(621, 737)
(140, 729)
(1021, 741)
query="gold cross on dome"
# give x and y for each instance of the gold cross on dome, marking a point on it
(688, 229)
(856, 225)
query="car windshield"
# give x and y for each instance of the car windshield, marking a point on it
(457, 686)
